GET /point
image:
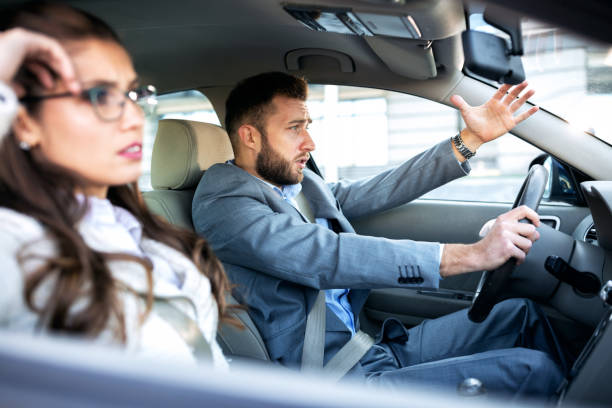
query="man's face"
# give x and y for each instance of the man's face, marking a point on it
(286, 143)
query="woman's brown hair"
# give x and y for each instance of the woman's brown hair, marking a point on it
(32, 185)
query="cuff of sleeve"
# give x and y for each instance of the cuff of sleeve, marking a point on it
(8, 108)
(465, 166)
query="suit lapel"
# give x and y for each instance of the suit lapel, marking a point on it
(323, 202)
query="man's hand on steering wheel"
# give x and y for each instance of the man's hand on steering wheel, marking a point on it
(506, 239)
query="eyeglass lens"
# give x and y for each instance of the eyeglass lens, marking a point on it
(109, 102)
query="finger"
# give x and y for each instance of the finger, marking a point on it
(516, 105)
(526, 230)
(518, 254)
(525, 212)
(521, 117)
(514, 93)
(42, 74)
(59, 61)
(522, 243)
(459, 103)
(49, 52)
(501, 92)
(518, 213)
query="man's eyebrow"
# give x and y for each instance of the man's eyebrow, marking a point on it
(301, 121)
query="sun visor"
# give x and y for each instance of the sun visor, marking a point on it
(395, 38)
(408, 58)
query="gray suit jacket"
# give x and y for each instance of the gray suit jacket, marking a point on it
(279, 260)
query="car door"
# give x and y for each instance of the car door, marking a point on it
(360, 132)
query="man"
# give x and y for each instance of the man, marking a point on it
(253, 214)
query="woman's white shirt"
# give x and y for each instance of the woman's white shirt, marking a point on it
(112, 229)
(8, 108)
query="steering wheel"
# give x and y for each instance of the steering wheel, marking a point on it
(491, 282)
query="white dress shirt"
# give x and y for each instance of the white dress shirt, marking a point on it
(111, 229)
(115, 227)
(8, 108)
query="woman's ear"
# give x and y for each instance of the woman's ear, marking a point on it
(26, 129)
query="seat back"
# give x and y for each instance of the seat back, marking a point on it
(182, 152)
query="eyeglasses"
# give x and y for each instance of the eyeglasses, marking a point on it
(108, 101)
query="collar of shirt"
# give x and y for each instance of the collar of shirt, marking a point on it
(288, 192)
(102, 212)
(114, 229)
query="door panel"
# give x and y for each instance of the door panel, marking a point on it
(441, 221)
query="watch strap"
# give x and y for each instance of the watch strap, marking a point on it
(461, 147)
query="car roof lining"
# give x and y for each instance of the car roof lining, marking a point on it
(209, 49)
(209, 52)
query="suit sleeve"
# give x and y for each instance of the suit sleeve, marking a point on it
(392, 188)
(246, 232)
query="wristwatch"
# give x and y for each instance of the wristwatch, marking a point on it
(465, 152)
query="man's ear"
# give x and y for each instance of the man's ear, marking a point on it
(250, 137)
(26, 128)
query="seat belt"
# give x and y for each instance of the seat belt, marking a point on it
(186, 327)
(314, 345)
(304, 207)
(314, 337)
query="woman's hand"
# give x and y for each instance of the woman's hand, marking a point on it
(40, 54)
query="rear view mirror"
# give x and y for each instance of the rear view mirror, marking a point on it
(492, 57)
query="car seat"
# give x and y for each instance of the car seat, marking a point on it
(182, 152)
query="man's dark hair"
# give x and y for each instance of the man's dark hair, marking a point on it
(250, 101)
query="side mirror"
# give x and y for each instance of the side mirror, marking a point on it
(541, 159)
(562, 182)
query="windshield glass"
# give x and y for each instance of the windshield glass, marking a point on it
(572, 75)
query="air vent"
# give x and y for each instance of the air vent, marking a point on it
(591, 236)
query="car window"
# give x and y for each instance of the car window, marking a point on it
(191, 105)
(572, 74)
(360, 132)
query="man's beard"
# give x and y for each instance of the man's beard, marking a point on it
(273, 168)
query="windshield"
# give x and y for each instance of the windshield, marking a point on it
(572, 75)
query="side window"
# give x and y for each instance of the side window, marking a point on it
(360, 132)
(191, 105)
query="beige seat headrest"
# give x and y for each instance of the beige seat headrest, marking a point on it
(183, 149)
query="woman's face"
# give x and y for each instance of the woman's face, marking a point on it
(71, 134)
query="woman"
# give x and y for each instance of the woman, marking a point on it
(80, 252)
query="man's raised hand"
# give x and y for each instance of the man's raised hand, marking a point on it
(495, 117)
